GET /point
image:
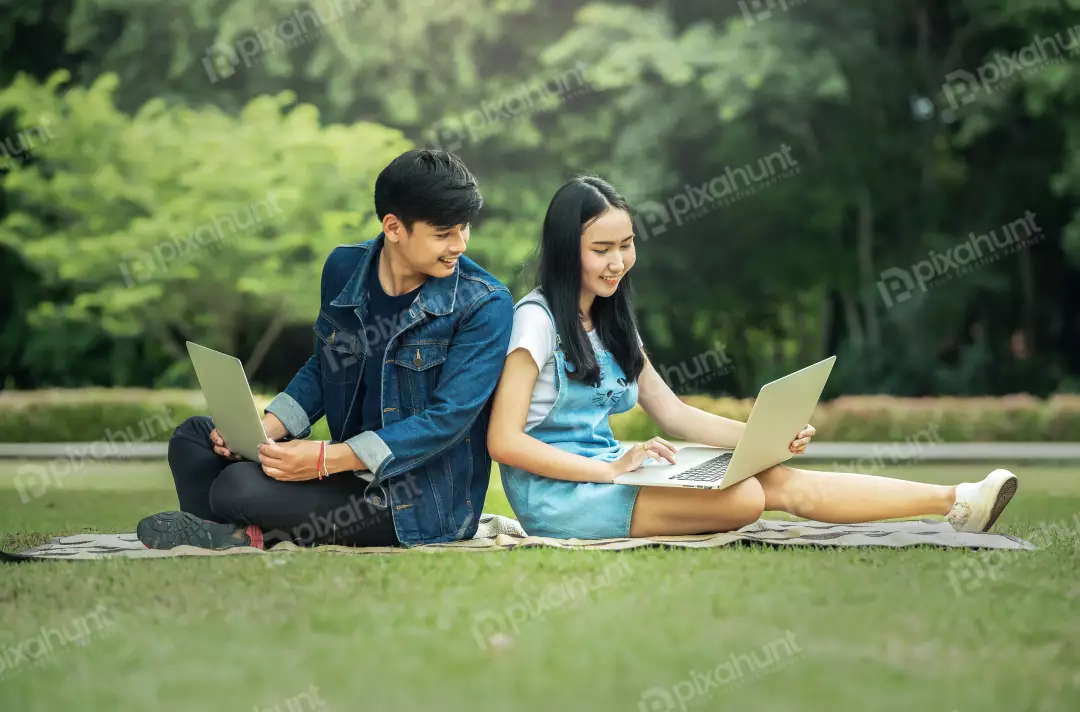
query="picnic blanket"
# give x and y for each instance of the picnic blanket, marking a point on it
(498, 533)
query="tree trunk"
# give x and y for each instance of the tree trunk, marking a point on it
(826, 323)
(854, 326)
(164, 336)
(865, 242)
(1027, 288)
(258, 355)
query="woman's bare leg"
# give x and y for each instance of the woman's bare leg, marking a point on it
(847, 498)
(671, 510)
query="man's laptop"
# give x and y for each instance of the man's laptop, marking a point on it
(228, 395)
(782, 409)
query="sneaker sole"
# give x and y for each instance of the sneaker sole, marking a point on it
(1004, 495)
(168, 530)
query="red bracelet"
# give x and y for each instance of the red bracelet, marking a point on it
(322, 456)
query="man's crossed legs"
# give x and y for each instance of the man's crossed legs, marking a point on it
(226, 503)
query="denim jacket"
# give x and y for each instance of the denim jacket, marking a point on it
(444, 356)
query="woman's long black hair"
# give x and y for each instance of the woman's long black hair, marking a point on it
(575, 205)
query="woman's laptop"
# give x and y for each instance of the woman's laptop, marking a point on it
(228, 396)
(782, 409)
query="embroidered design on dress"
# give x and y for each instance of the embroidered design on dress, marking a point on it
(610, 397)
(605, 398)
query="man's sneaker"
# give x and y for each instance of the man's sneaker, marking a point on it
(978, 504)
(170, 529)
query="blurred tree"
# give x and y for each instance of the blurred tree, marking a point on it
(886, 162)
(176, 223)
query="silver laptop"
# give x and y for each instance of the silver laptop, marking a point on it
(228, 395)
(782, 409)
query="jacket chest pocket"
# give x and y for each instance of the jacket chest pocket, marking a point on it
(419, 366)
(341, 353)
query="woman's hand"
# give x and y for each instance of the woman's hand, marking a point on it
(221, 448)
(292, 461)
(656, 448)
(798, 445)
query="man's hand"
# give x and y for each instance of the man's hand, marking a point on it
(221, 448)
(272, 426)
(293, 461)
(798, 445)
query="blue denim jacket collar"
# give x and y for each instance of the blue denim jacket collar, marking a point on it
(436, 297)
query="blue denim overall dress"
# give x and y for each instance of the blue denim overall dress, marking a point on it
(577, 423)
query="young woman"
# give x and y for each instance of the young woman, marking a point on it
(575, 358)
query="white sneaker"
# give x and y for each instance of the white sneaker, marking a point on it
(978, 504)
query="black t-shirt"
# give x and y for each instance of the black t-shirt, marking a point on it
(385, 318)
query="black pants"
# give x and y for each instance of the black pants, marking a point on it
(328, 511)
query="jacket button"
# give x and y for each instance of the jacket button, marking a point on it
(376, 500)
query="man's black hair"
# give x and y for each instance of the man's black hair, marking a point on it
(430, 186)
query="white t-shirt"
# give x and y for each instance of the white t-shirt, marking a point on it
(534, 332)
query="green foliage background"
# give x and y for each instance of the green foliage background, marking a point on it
(133, 156)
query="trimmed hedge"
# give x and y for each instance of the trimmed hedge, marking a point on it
(1017, 418)
(115, 415)
(110, 414)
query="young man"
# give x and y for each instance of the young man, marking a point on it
(410, 342)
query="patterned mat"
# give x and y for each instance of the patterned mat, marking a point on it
(497, 533)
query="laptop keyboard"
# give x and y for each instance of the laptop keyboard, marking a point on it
(710, 471)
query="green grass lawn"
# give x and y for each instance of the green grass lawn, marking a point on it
(745, 628)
